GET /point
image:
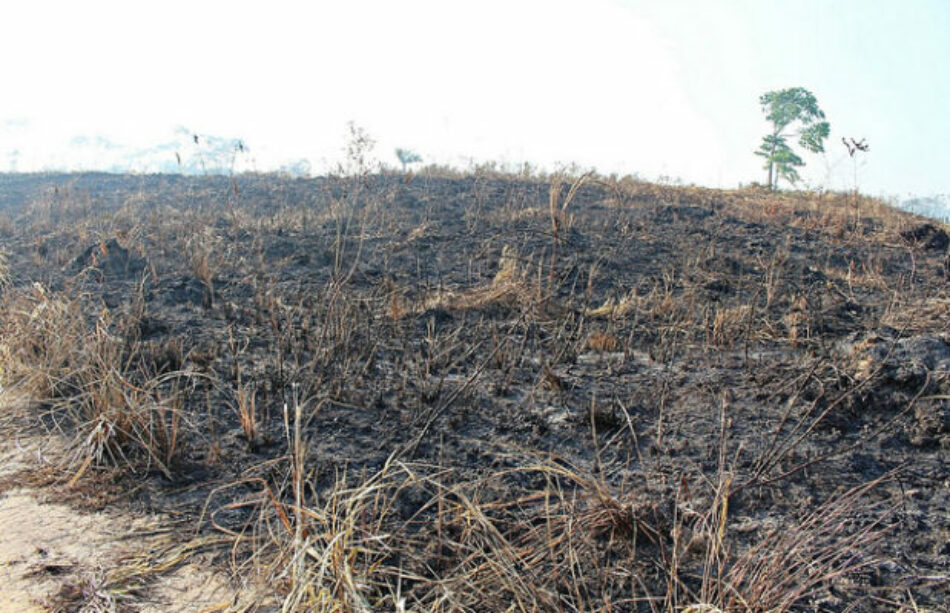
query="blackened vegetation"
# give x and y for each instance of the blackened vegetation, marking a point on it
(928, 236)
(692, 375)
(108, 257)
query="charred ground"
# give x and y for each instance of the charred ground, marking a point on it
(477, 391)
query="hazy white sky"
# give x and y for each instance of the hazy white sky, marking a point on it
(629, 86)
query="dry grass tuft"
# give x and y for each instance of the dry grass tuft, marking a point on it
(510, 288)
(599, 341)
(615, 309)
(98, 383)
(413, 538)
(728, 324)
(40, 335)
(5, 278)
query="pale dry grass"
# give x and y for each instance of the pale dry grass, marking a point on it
(729, 323)
(575, 543)
(103, 395)
(511, 286)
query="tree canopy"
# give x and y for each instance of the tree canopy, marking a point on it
(407, 157)
(786, 110)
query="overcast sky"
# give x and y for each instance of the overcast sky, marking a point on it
(660, 88)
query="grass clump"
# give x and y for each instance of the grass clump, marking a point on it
(415, 538)
(95, 380)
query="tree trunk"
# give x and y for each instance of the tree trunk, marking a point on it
(772, 163)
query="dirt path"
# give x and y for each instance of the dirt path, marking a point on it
(53, 553)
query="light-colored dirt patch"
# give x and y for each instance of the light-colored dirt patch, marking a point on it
(45, 546)
(41, 543)
(191, 588)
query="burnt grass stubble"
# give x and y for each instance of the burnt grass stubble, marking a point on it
(677, 336)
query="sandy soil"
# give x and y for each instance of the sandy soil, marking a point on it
(48, 551)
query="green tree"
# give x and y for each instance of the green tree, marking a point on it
(407, 157)
(786, 110)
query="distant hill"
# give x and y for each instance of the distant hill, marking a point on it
(936, 207)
